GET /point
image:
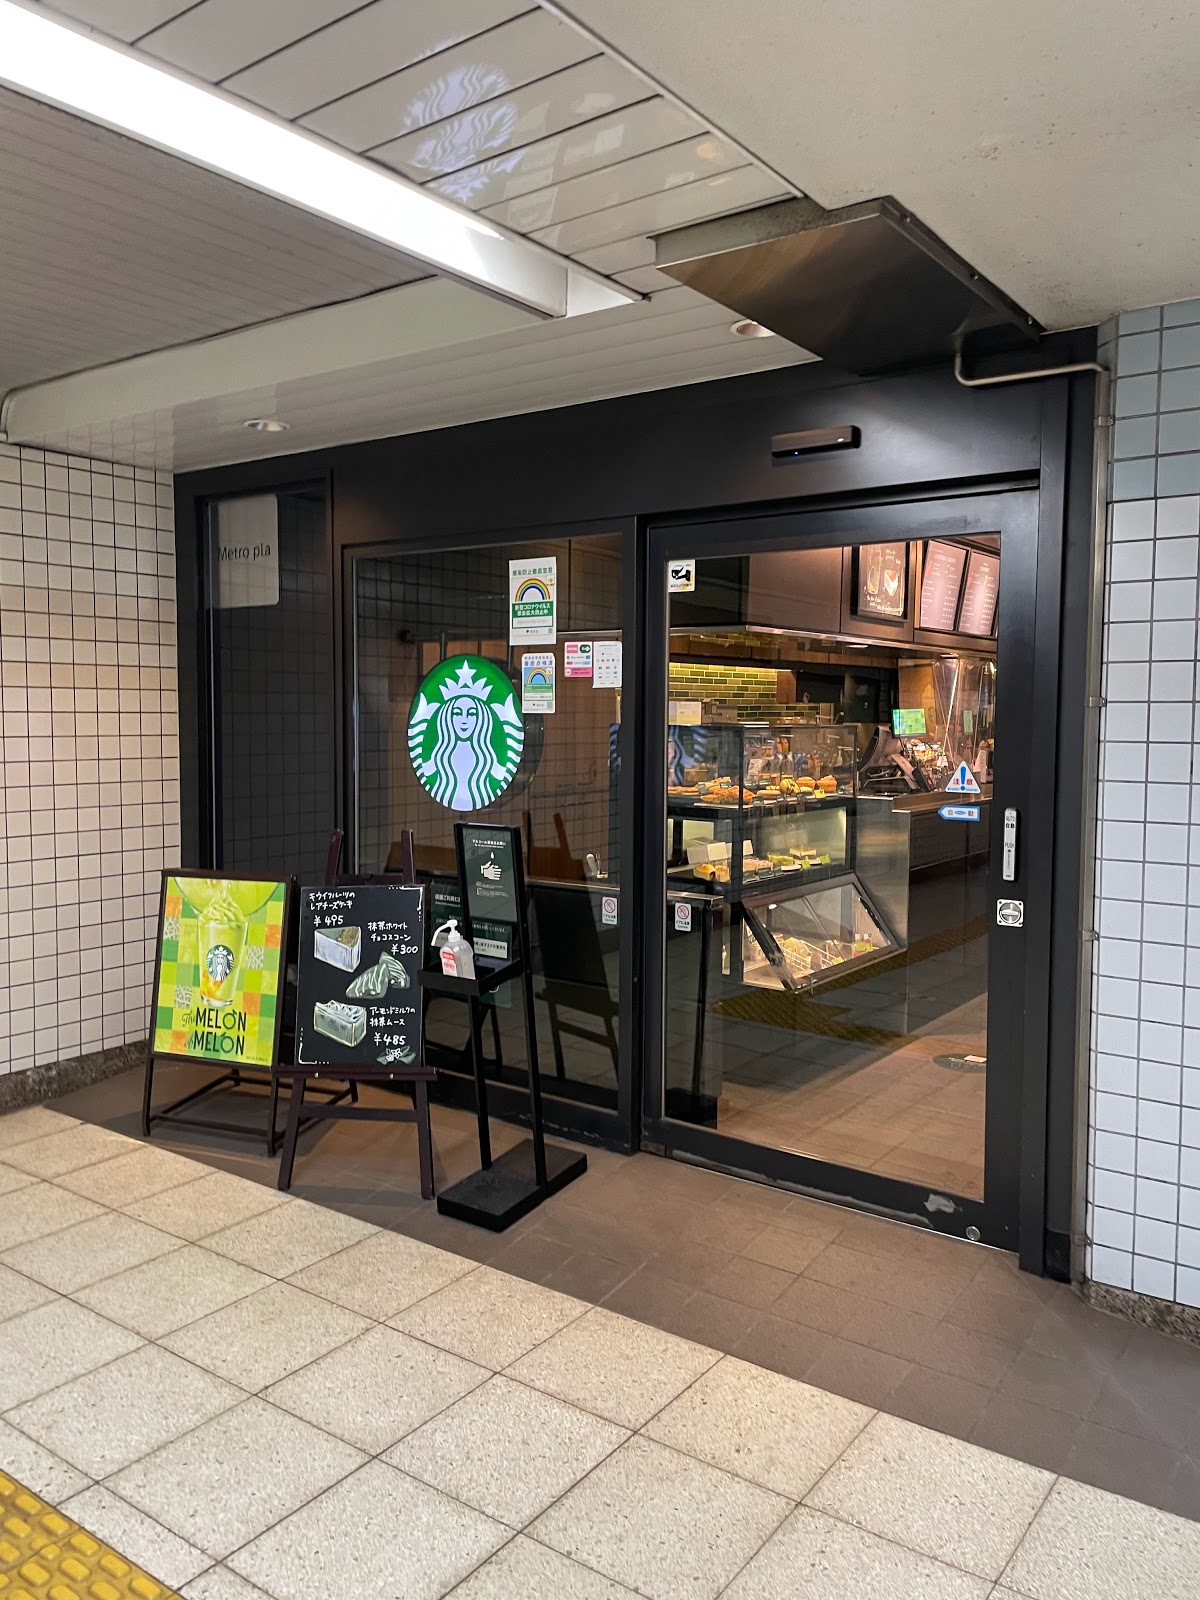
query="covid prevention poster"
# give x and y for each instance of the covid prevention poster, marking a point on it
(219, 974)
(533, 601)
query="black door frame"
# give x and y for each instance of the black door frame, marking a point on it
(1011, 1214)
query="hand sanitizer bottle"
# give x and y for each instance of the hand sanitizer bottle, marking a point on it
(458, 959)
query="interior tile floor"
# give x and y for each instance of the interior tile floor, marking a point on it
(253, 1397)
(939, 1332)
(875, 1073)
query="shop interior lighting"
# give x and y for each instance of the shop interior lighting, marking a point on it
(747, 328)
(266, 425)
(55, 62)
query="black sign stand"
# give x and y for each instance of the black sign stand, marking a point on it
(509, 1186)
(419, 1075)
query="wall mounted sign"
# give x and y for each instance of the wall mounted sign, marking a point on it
(882, 580)
(537, 683)
(218, 975)
(245, 553)
(606, 664)
(577, 658)
(980, 593)
(465, 734)
(940, 583)
(532, 597)
(358, 1003)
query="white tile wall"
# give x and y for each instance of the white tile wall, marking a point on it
(1144, 1168)
(90, 749)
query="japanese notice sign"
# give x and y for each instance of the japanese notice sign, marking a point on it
(533, 601)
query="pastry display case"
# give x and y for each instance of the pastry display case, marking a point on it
(751, 805)
(799, 942)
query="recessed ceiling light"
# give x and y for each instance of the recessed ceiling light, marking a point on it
(108, 84)
(749, 329)
(266, 425)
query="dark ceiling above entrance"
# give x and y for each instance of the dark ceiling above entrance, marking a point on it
(867, 287)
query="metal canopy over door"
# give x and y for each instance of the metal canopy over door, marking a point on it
(842, 991)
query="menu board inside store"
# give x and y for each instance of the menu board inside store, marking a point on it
(980, 593)
(882, 580)
(940, 583)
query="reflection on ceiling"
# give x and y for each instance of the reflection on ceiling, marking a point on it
(499, 105)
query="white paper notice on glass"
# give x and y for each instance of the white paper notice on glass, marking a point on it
(606, 664)
(578, 658)
(608, 910)
(533, 601)
(537, 683)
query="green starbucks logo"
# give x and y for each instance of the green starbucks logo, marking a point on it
(219, 962)
(465, 734)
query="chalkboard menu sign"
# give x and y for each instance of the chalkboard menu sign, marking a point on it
(882, 580)
(980, 594)
(940, 583)
(489, 872)
(357, 1000)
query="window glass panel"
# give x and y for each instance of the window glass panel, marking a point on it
(415, 611)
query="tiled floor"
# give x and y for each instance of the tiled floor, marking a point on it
(396, 1420)
(944, 1334)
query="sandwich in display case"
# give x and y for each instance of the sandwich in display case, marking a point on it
(748, 806)
(767, 819)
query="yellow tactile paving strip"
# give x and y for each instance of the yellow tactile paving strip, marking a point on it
(46, 1556)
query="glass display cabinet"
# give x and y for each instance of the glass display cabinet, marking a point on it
(751, 805)
(798, 942)
(765, 817)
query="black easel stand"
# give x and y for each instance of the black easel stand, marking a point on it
(236, 1078)
(507, 1188)
(301, 1116)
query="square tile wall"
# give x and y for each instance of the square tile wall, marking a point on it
(89, 749)
(1144, 1159)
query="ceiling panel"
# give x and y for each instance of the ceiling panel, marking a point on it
(218, 37)
(497, 127)
(363, 47)
(672, 208)
(123, 19)
(109, 248)
(649, 174)
(620, 256)
(583, 149)
(676, 339)
(490, 64)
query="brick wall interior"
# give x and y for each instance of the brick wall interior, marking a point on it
(90, 755)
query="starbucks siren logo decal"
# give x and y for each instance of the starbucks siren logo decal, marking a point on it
(465, 734)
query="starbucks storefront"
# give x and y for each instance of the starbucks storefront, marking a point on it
(793, 829)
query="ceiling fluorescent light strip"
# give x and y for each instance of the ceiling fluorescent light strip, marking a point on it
(54, 62)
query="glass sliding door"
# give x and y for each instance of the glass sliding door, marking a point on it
(832, 693)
